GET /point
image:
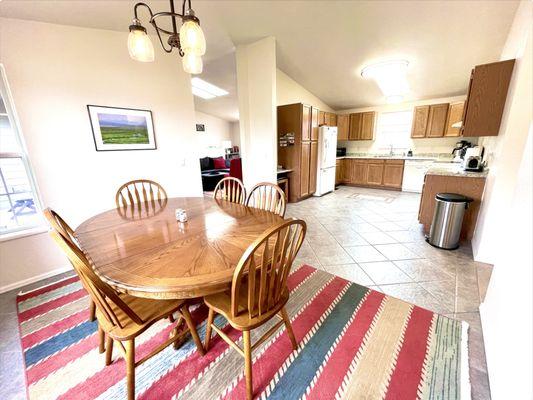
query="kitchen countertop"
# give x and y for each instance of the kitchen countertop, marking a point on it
(457, 171)
(416, 158)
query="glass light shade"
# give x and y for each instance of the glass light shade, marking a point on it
(192, 38)
(391, 78)
(140, 46)
(192, 63)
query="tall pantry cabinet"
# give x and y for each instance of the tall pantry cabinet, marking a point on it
(298, 147)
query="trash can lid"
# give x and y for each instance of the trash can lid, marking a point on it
(453, 198)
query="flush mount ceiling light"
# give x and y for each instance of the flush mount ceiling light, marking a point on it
(189, 41)
(390, 77)
(206, 90)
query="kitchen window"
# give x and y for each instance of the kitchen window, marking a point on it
(394, 129)
(19, 204)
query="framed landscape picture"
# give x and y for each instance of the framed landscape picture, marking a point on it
(121, 128)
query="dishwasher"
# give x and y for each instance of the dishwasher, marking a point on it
(413, 175)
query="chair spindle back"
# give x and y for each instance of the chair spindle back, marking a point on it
(140, 195)
(265, 266)
(99, 291)
(269, 197)
(230, 189)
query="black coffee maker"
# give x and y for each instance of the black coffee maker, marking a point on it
(460, 150)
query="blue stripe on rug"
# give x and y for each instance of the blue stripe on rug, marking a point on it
(60, 341)
(294, 383)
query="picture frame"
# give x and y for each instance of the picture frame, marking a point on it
(200, 127)
(120, 129)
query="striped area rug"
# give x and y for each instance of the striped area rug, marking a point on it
(354, 343)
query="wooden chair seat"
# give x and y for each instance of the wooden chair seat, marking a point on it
(221, 303)
(148, 310)
(258, 290)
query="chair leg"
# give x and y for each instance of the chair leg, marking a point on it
(92, 311)
(192, 328)
(109, 350)
(210, 319)
(288, 326)
(130, 368)
(248, 364)
(175, 332)
(101, 335)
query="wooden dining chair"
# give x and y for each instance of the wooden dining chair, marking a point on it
(123, 317)
(230, 189)
(58, 223)
(267, 196)
(140, 197)
(258, 291)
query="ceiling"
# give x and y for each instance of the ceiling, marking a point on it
(323, 44)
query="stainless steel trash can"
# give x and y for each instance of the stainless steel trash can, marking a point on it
(445, 231)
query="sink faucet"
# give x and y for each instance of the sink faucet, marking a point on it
(391, 150)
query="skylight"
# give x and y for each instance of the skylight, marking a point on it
(206, 90)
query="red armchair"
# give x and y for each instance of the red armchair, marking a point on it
(235, 168)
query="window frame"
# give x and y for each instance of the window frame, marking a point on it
(22, 154)
(381, 144)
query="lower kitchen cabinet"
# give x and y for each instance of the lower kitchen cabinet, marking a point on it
(375, 173)
(372, 173)
(313, 165)
(304, 165)
(393, 173)
(359, 173)
(338, 171)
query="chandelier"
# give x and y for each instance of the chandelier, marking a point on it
(189, 40)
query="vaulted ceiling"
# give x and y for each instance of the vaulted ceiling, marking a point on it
(324, 44)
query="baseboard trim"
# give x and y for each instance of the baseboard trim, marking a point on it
(34, 279)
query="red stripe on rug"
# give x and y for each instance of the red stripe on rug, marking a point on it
(408, 372)
(268, 363)
(110, 375)
(45, 289)
(335, 370)
(177, 378)
(52, 304)
(54, 329)
(62, 358)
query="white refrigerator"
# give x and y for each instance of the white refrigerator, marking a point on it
(327, 157)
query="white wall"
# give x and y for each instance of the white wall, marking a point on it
(505, 150)
(256, 83)
(433, 145)
(504, 230)
(235, 131)
(216, 130)
(54, 71)
(507, 313)
(288, 91)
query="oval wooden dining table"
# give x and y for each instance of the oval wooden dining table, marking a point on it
(148, 253)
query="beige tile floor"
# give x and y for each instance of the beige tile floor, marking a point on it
(367, 236)
(372, 237)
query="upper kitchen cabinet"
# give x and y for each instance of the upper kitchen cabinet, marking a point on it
(297, 148)
(429, 121)
(306, 123)
(343, 126)
(437, 120)
(362, 126)
(321, 118)
(355, 127)
(455, 116)
(367, 125)
(486, 97)
(331, 119)
(315, 113)
(420, 122)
